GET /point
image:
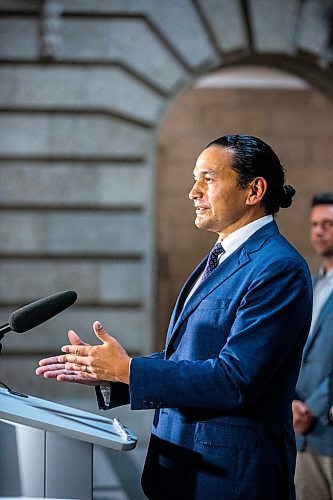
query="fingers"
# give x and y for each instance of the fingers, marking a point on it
(78, 364)
(82, 362)
(59, 372)
(48, 361)
(78, 350)
(59, 365)
(50, 371)
(75, 339)
(78, 371)
(74, 359)
(101, 333)
(304, 412)
(78, 379)
(82, 348)
(77, 357)
(301, 411)
(50, 368)
(69, 376)
(78, 367)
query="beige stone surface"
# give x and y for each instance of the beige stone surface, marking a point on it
(69, 135)
(95, 282)
(107, 89)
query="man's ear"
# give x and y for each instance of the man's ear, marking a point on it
(257, 190)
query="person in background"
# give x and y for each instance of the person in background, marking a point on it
(331, 398)
(223, 386)
(314, 434)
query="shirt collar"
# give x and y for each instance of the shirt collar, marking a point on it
(238, 237)
(323, 274)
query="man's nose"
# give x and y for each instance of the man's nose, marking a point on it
(195, 192)
(318, 230)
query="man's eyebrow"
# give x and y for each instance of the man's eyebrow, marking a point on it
(324, 219)
(204, 172)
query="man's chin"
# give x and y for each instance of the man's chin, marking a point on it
(202, 224)
(328, 254)
(324, 252)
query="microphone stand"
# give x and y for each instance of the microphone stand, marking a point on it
(3, 330)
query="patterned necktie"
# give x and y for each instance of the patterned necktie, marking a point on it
(213, 261)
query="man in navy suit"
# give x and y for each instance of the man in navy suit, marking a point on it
(314, 434)
(223, 386)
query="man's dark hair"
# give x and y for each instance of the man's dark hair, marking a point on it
(253, 158)
(322, 199)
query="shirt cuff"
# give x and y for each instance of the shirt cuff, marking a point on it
(105, 391)
(106, 395)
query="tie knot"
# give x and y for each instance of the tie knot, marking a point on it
(212, 261)
(217, 250)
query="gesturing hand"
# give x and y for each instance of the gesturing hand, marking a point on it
(53, 368)
(106, 362)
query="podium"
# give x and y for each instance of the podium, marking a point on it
(54, 446)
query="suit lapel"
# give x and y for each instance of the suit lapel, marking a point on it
(183, 294)
(226, 269)
(218, 276)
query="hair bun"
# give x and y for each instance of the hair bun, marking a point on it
(286, 196)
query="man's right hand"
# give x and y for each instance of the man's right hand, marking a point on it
(51, 368)
(303, 419)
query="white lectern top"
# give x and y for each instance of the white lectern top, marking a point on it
(65, 420)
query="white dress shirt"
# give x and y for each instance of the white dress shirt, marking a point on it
(235, 240)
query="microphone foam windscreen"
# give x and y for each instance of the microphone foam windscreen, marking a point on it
(37, 312)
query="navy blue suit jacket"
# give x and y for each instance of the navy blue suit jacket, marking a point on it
(224, 384)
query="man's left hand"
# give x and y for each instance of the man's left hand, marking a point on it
(108, 361)
(302, 417)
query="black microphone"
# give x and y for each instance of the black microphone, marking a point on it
(31, 315)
